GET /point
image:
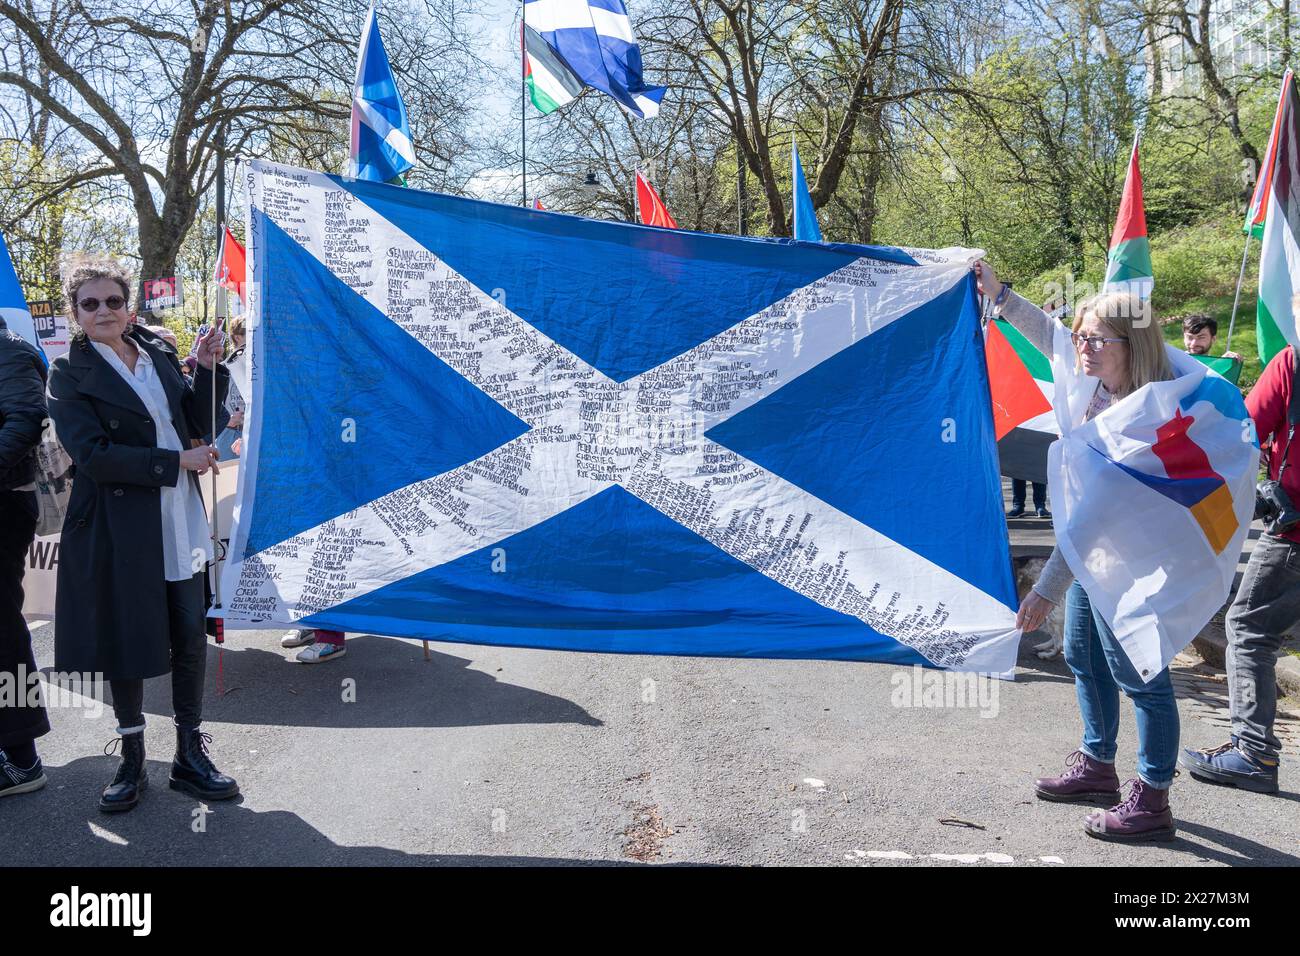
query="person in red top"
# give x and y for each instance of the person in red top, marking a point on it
(1267, 605)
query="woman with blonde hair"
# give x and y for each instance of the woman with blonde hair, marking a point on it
(1117, 342)
(130, 601)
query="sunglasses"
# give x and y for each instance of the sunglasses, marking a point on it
(114, 302)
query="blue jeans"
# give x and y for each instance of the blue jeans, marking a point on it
(226, 441)
(1101, 670)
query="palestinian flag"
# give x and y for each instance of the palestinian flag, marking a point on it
(1263, 183)
(551, 83)
(1020, 381)
(1279, 258)
(1229, 368)
(1129, 266)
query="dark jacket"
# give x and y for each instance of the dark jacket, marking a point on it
(111, 604)
(22, 408)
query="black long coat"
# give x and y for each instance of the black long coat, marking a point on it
(111, 604)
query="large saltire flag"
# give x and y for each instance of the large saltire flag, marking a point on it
(1128, 268)
(594, 39)
(804, 216)
(13, 304)
(650, 206)
(1152, 500)
(1279, 257)
(381, 135)
(678, 443)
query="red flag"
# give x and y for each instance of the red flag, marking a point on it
(537, 204)
(231, 271)
(652, 208)
(1016, 396)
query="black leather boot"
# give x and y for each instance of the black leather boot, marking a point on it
(194, 773)
(131, 779)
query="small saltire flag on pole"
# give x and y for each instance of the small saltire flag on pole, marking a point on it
(231, 270)
(551, 83)
(1279, 257)
(381, 134)
(651, 208)
(1129, 268)
(805, 217)
(13, 304)
(594, 38)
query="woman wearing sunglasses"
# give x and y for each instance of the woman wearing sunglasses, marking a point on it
(1117, 342)
(130, 600)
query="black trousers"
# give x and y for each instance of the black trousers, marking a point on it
(186, 608)
(1018, 493)
(18, 724)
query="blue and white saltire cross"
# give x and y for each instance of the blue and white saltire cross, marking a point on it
(381, 148)
(13, 304)
(471, 423)
(594, 37)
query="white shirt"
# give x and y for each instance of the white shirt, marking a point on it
(184, 522)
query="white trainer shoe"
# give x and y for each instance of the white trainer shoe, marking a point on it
(320, 652)
(298, 638)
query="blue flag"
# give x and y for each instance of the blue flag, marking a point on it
(13, 305)
(594, 38)
(805, 217)
(556, 432)
(381, 136)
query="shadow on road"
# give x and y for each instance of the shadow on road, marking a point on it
(389, 682)
(61, 826)
(1229, 848)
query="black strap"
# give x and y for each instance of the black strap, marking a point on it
(1293, 409)
(1292, 412)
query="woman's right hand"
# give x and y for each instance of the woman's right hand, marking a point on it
(200, 459)
(987, 280)
(1034, 610)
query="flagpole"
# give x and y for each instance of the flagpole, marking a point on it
(220, 322)
(1241, 275)
(523, 99)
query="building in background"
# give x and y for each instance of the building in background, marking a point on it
(1244, 34)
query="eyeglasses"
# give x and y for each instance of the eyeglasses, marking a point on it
(114, 302)
(1095, 342)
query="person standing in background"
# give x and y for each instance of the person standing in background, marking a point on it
(130, 597)
(22, 422)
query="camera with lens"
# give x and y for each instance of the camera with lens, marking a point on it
(1273, 506)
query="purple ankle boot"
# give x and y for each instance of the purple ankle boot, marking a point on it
(1144, 815)
(1085, 781)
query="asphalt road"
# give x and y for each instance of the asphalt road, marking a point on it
(506, 756)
